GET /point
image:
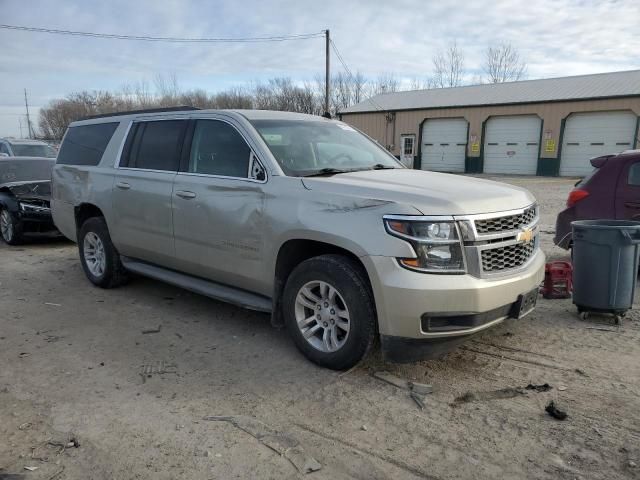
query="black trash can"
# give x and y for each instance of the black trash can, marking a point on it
(605, 265)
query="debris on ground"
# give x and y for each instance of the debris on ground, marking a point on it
(562, 388)
(420, 388)
(391, 379)
(545, 387)
(581, 372)
(152, 330)
(31, 469)
(158, 368)
(24, 354)
(556, 413)
(52, 304)
(363, 428)
(492, 395)
(418, 399)
(281, 443)
(24, 426)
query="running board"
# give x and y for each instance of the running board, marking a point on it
(236, 296)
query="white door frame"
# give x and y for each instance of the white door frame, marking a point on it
(407, 155)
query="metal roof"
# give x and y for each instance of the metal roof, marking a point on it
(613, 84)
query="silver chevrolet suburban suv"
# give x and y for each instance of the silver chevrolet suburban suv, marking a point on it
(303, 217)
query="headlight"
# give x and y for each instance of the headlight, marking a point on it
(436, 243)
(29, 207)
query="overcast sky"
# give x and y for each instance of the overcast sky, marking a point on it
(556, 37)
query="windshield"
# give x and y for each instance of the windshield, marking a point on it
(304, 148)
(33, 150)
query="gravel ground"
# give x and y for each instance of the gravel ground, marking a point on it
(77, 369)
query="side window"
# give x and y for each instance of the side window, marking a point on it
(218, 149)
(85, 145)
(155, 145)
(3, 148)
(634, 174)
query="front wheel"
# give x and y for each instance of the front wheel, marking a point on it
(10, 228)
(329, 311)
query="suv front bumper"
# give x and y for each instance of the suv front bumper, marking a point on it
(426, 315)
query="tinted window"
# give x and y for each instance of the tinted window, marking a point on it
(155, 145)
(218, 149)
(84, 145)
(634, 174)
(37, 150)
(4, 149)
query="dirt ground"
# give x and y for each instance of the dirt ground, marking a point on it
(84, 394)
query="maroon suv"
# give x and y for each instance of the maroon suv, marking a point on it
(610, 191)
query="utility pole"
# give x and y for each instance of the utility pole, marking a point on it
(26, 104)
(327, 75)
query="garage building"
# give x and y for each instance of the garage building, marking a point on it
(545, 127)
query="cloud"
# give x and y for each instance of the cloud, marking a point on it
(556, 38)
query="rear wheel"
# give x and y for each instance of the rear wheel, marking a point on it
(329, 311)
(10, 228)
(99, 258)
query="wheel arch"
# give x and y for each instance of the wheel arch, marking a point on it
(85, 211)
(295, 251)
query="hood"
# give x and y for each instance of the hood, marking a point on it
(29, 190)
(432, 193)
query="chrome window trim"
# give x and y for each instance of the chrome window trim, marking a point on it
(223, 177)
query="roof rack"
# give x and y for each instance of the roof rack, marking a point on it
(146, 110)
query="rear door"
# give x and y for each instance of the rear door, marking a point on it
(142, 225)
(628, 192)
(218, 207)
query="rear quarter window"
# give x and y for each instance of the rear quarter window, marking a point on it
(85, 144)
(634, 174)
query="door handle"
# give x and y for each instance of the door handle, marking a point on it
(632, 205)
(123, 185)
(185, 194)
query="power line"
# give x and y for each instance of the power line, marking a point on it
(348, 70)
(147, 38)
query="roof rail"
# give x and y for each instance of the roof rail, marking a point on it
(146, 110)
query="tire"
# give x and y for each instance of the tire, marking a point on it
(10, 228)
(311, 284)
(107, 270)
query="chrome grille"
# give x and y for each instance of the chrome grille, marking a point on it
(507, 223)
(508, 257)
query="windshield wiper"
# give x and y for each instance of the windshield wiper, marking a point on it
(380, 166)
(327, 171)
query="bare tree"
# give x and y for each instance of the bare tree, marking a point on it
(504, 64)
(448, 67)
(385, 83)
(417, 83)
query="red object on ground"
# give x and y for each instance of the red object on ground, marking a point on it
(557, 280)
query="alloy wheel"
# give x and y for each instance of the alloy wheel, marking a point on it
(322, 316)
(6, 226)
(94, 254)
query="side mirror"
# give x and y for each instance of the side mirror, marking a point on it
(2, 154)
(256, 170)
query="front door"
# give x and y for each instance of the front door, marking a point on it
(628, 192)
(142, 226)
(407, 149)
(218, 208)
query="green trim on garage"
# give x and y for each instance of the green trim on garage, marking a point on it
(548, 167)
(472, 165)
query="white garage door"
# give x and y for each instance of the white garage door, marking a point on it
(444, 144)
(512, 144)
(588, 135)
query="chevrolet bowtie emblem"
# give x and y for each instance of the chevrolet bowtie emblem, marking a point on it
(525, 236)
